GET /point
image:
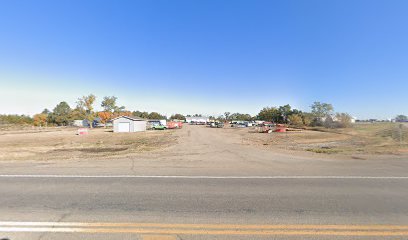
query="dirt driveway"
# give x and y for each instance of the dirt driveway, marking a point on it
(202, 150)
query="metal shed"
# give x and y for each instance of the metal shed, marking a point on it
(128, 124)
(197, 119)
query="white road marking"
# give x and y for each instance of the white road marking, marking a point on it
(196, 177)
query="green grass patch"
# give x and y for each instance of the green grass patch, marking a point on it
(324, 150)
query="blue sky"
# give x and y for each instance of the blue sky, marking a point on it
(206, 56)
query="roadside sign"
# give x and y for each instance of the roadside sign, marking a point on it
(83, 131)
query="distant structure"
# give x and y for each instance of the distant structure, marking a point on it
(78, 123)
(197, 119)
(129, 124)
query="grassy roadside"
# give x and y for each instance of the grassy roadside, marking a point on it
(366, 139)
(375, 138)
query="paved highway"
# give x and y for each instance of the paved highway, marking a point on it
(202, 208)
(209, 186)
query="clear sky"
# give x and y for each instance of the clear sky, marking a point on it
(206, 56)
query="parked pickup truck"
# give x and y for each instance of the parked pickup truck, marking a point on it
(157, 126)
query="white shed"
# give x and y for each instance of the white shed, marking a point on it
(197, 119)
(78, 123)
(128, 124)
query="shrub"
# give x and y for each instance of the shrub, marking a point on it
(295, 120)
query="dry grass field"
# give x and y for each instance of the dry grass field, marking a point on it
(64, 143)
(372, 139)
(28, 143)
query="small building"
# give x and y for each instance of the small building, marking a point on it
(78, 123)
(197, 119)
(83, 123)
(128, 124)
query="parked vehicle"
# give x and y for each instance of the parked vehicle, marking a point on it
(219, 125)
(156, 125)
(159, 127)
(266, 127)
(173, 125)
(239, 124)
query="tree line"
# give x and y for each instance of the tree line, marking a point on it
(15, 119)
(321, 114)
(64, 115)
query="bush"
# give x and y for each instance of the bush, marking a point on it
(307, 119)
(295, 120)
(15, 119)
(40, 119)
(343, 120)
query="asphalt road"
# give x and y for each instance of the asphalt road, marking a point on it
(207, 187)
(297, 202)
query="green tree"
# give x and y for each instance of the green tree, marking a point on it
(227, 116)
(295, 120)
(240, 117)
(270, 114)
(178, 116)
(85, 104)
(284, 112)
(296, 111)
(137, 113)
(140, 114)
(321, 110)
(401, 118)
(155, 115)
(109, 105)
(307, 119)
(246, 117)
(46, 111)
(321, 113)
(60, 114)
(77, 114)
(220, 118)
(15, 119)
